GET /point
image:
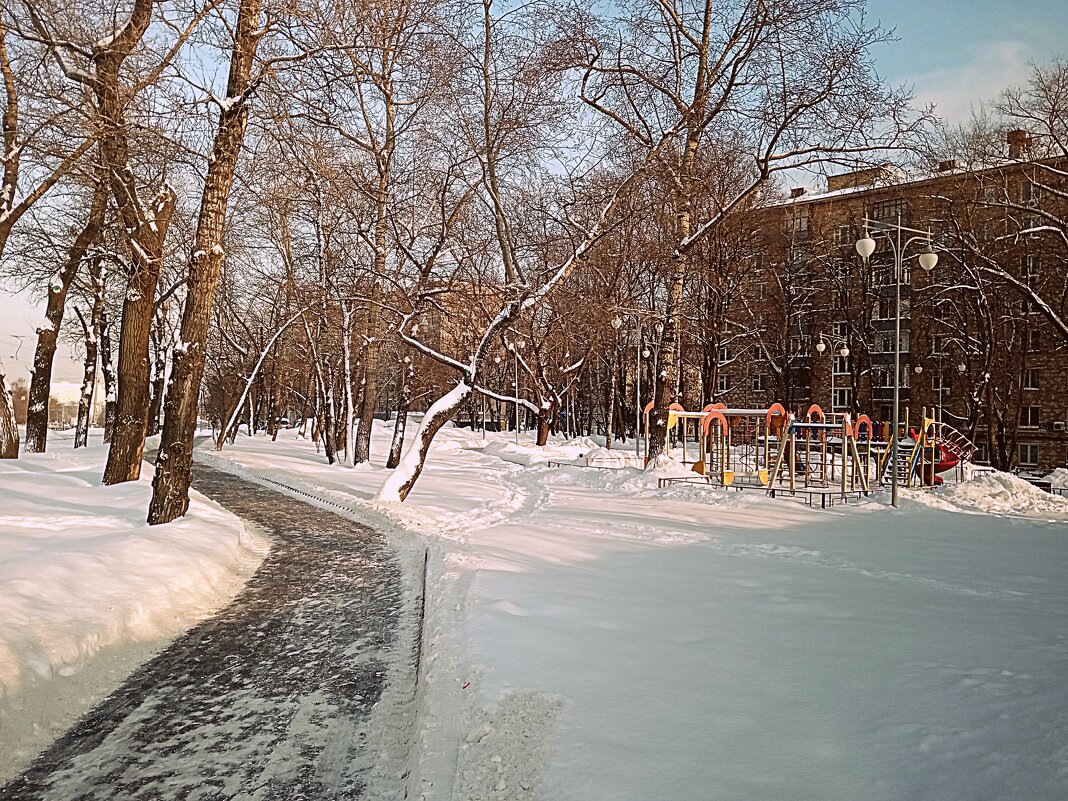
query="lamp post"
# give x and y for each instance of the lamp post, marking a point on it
(610, 418)
(497, 370)
(928, 259)
(842, 350)
(515, 346)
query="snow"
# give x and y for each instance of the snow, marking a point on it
(996, 493)
(1058, 478)
(81, 573)
(589, 636)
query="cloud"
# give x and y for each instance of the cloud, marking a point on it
(984, 73)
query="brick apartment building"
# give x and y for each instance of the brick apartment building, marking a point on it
(980, 342)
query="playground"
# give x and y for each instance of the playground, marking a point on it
(819, 456)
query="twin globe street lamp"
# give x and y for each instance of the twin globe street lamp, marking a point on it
(928, 259)
(843, 351)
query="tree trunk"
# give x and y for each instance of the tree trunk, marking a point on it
(48, 333)
(403, 478)
(131, 403)
(403, 401)
(145, 227)
(346, 359)
(159, 374)
(91, 330)
(543, 426)
(108, 372)
(9, 432)
(170, 485)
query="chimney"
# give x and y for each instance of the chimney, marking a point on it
(1019, 141)
(947, 165)
(797, 192)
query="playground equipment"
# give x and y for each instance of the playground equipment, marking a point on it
(821, 452)
(731, 446)
(936, 448)
(824, 455)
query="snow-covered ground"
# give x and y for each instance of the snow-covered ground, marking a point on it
(592, 637)
(88, 589)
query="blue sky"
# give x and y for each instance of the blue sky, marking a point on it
(958, 53)
(950, 53)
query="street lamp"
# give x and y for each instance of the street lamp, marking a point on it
(928, 259)
(842, 350)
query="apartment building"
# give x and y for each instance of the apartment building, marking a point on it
(983, 347)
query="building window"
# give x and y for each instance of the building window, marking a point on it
(759, 383)
(797, 221)
(723, 383)
(840, 329)
(937, 383)
(1029, 416)
(1028, 454)
(1029, 269)
(1031, 378)
(890, 209)
(761, 290)
(1034, 341)
(843, 235)
(1030, 193)
(843, 397)
(938, 345)
(724, 354)
(841, 365)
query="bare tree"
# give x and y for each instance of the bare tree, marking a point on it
(782, 84)
(48, 332)
(170, 485)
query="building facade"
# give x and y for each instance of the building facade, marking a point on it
(984, 347)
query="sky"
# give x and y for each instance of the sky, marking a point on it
(952, 54)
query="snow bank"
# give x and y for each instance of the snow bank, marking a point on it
(1058, 478)
(997, 493)
(582, 450)
(81, 570)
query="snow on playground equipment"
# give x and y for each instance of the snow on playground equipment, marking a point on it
(820, 455)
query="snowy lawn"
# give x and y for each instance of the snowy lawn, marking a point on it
(81, 571)
(592, 637)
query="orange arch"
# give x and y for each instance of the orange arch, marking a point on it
(713, 415)
(815, 409)
(864, 422)
(776, 410)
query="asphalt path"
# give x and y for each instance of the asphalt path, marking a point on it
(271, 698)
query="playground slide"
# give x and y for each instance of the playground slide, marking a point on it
(946, 461)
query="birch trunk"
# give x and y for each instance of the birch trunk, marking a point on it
(108, 371)
(403, 478)
(91, 330)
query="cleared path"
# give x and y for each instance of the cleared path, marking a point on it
(269, 699)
